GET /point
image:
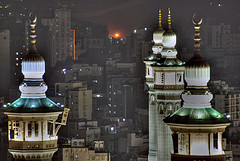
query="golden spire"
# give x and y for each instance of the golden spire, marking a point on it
(33, 25)
(197, 37)
(169, 18)
(160, 18)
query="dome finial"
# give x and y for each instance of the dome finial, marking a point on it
(32, 20)
(160, 18)
(197, 37)
(169, 18)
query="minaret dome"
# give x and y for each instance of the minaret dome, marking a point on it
(169, 40)
(33, 64)
(197, 69)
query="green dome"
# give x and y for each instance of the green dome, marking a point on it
(152, 57)
(33, 105)
(197, 116)
(168, 62)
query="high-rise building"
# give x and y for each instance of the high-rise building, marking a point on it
(165, 81)
(213, 34)
(78, 98)
(4, 62)
(32, 126)
(62, 36)
(196, 127)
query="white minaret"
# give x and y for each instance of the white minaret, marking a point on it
(168, 86)
(157, 48)
(196, 127)
(32, 130)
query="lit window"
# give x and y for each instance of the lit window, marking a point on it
(36, 129)
(29, 130)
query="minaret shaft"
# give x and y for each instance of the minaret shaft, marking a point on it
(165, 87)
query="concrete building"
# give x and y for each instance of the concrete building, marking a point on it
(60, 29)
(212, 34)
(5, 62)
(226, 100)
(77, 97)
(82, 154)
(84, 72)
(231, 40)
(89, 131)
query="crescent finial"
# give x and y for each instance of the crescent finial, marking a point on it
(194, 22)
(31, 19)
(35, 19)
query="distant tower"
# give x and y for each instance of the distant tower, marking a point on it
(157, 48)
(168, 86)
(196, 127)
(32, 118)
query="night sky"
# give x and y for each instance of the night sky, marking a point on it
(124, 15)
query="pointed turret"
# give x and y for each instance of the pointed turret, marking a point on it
(156, 51)
(169, 52)
(158, 36)
(169, 40)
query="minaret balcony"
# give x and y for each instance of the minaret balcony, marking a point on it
(168, 87)
(179, 157)
(46, 144)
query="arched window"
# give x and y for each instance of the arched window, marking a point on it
(152, 99)
(169, 108)
(161, 108)
(179, 77)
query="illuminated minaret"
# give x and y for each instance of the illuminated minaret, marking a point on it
(157, 48)
(196, 127)
(32, 126)
(168, 86)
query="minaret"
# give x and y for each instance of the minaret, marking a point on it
(168, 86)
(157, 48)
(32, 130)
(196, 127)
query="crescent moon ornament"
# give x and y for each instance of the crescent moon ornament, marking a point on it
(194, 22)
(30, 16)
(35, 19)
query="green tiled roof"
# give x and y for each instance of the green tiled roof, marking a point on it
(33, 105)
(168, 62)
(196, 116)
(152, 57)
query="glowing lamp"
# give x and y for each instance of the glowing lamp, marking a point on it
(116, 35)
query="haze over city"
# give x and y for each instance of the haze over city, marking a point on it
(126, 80)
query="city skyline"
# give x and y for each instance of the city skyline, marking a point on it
(117, 105)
